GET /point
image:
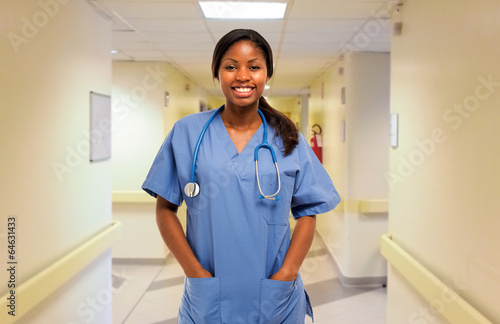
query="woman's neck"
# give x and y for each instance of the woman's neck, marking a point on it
(241, 117)
(241, 124)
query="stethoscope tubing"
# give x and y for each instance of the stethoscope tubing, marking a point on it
(198, 143)
(192, 188)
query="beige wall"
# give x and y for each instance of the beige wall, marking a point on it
(141, 120)
(138, 98)
(53, 53)
(287, 105)
(184, 97)
(215, 102)
(367, 145)
(326, 109)
(444, 207)
(357, 166)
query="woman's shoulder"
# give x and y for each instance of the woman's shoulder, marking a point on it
(196, 118)
(303, 150)
(192, 124)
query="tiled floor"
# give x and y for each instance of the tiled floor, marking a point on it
(150, 294)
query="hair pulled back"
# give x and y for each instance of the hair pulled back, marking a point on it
(283, 126)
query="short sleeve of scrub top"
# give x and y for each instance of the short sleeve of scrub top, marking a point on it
(162, 179)
(314, 192)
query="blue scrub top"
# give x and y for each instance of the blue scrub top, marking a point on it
(240, 239)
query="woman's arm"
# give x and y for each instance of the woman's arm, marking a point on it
(300, 244)
(173, 235)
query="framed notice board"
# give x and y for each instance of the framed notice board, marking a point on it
(100, 127)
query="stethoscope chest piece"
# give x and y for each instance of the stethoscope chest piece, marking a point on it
(192, 189)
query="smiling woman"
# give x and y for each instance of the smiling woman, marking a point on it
(240, 264)
(242, 76)
(262, 52)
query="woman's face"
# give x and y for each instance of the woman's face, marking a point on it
(243, 74)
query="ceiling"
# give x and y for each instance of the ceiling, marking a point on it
(311, 37)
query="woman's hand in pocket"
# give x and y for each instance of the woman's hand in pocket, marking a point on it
(284, 274)
(199, 273)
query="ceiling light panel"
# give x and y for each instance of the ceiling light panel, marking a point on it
(242, 10)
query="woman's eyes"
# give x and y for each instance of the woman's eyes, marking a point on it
(232, 67)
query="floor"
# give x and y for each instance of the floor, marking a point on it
(150, 294)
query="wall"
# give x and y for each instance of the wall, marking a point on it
(444, 191)
(327, 110)
(53, 54)
(367, 160)
(141, 121)
(215, 102)
(289, 105)
(357, 166)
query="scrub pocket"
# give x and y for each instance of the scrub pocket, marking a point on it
(277, 212)
(200, 302)
(281, 302)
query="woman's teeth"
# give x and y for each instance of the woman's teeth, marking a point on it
(244, 90)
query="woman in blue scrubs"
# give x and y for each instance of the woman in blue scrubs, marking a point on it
(240, 263)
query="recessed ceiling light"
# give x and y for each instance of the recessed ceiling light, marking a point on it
(243, 10)
(114, 51)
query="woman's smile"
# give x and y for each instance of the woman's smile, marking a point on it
(243, 91)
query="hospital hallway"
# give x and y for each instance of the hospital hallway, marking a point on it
(151, 294)
(399, 101)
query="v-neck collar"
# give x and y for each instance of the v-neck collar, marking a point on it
(240, 160)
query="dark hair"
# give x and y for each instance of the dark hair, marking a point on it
(283, 126)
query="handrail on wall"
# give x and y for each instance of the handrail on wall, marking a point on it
(428, 285)
(122, 196)
(39, 287)
(363, 206)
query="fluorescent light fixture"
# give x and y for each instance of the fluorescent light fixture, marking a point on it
(267, 87)
(243, 10)
(114, 51)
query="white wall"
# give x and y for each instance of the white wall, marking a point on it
(357, 166)
(53, 53)
(367, 145)
(138, 103)
(141, 121)
(327, 110)
(444, 207)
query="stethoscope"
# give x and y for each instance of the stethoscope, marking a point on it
(192, 189)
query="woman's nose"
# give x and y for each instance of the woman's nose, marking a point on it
(242, 75)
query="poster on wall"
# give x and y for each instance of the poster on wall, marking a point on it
(100, 127)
